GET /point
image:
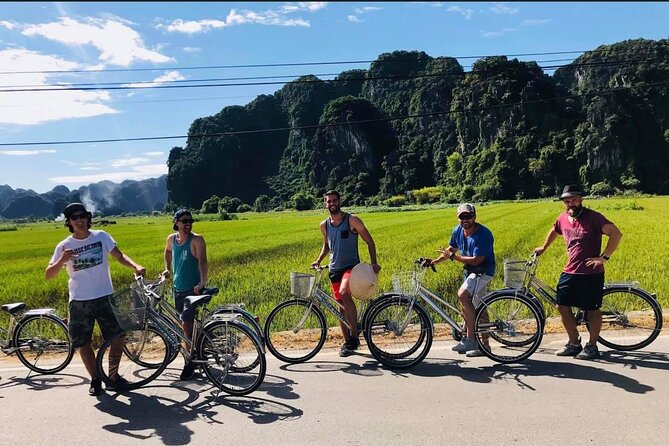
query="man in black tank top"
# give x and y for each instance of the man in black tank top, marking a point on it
(340, 235)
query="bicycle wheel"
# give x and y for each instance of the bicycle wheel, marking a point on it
(232, 357)
(43, 343)
(243, 316)
(135, 355)
(295, 331)
(141, 358)
(631, 319)
(399, 333)
(521, 341)
(515, 323)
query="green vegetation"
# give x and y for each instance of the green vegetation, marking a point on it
(251, 258)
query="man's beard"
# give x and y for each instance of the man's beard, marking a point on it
(575, 211)
(334, 209)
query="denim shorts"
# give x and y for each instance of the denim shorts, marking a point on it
(84, 313)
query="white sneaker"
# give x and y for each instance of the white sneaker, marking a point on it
(465, 345)
(474, 353)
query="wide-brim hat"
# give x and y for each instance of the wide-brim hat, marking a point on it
(362, 281)
(572, 190)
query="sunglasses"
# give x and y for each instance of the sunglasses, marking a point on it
(78, 216)
(187, 221)
(465, 216)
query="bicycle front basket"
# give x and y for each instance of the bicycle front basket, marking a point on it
(129, 306)
(406, 283)
(301, 284)
(514, 273)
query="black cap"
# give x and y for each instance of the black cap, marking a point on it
(178, 214)
(571, 190)
(72, 208)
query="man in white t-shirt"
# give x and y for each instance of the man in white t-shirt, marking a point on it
(85, 256)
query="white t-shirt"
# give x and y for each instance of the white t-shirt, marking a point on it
(89, 273)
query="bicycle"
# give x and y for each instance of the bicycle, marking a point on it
(631, 316)
(296, 329)
(229, 352)
(400, 330)
(36, 336)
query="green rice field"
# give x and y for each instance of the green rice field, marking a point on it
(250, 259)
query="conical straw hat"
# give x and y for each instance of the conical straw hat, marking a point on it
(363, 281)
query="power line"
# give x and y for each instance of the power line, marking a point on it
(274, 65)
(337, 124)
(246, 84)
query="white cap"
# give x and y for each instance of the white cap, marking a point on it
(466, 207)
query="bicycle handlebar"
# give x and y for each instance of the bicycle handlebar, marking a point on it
(423, 263)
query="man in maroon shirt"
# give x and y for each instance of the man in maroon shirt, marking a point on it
(582, 280)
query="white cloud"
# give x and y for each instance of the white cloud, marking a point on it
(117, 42)
(136, 173)
(365, 9)
(271, 17)
(534, 22)
(6, 24)
(193, 26)
(499, 33)
(127, 162)
(30, 108)
(354, 19)
(25, 152)
(170, 76)
(191, 49)
(154, 154)
(466, 12)
(90, 168)
(501, 8)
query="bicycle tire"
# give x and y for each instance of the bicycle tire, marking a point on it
(364, 319)
(521, 342)
(244, 316)
(411, 345)
(511, 317)
(173, 353)
(154, 350)
(289, 345)
(43, 338)
(232, 357)
(629, 313)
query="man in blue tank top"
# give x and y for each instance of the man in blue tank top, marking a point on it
(186, 257)
(340, 239)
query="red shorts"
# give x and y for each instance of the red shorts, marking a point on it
(336, 279)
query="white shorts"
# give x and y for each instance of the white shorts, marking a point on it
(476, 286)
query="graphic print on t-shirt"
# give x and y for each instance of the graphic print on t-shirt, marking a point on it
(88, 256)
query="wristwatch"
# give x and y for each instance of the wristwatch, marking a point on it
(452, 256)
(605, 257)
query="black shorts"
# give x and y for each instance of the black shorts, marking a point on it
(580, 290)
(179, 302)
(84, 313)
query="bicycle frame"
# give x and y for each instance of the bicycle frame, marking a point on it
(325, 299)
(14, 319)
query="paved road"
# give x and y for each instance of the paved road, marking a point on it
(448, 399)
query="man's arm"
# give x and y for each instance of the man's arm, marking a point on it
(54, 268)
(358, 226)
(550, 237)
(124, 260)
(201, 255)
(325, 249)
(168, 256)
(614, 234)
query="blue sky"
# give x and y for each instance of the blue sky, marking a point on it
(171, 37)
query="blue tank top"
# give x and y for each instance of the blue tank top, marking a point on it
(184, 266)
(343, 245)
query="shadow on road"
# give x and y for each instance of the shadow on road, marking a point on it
(369, 368)
(638, 359)
(161, 416)
(43, 382)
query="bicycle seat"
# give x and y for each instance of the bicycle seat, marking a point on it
(196, 301)
(211, 291)
(13, 308)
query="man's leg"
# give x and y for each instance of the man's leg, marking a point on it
(594, 325)
(350, 309)
(569, 322)
(469, 312)
(88, 358)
